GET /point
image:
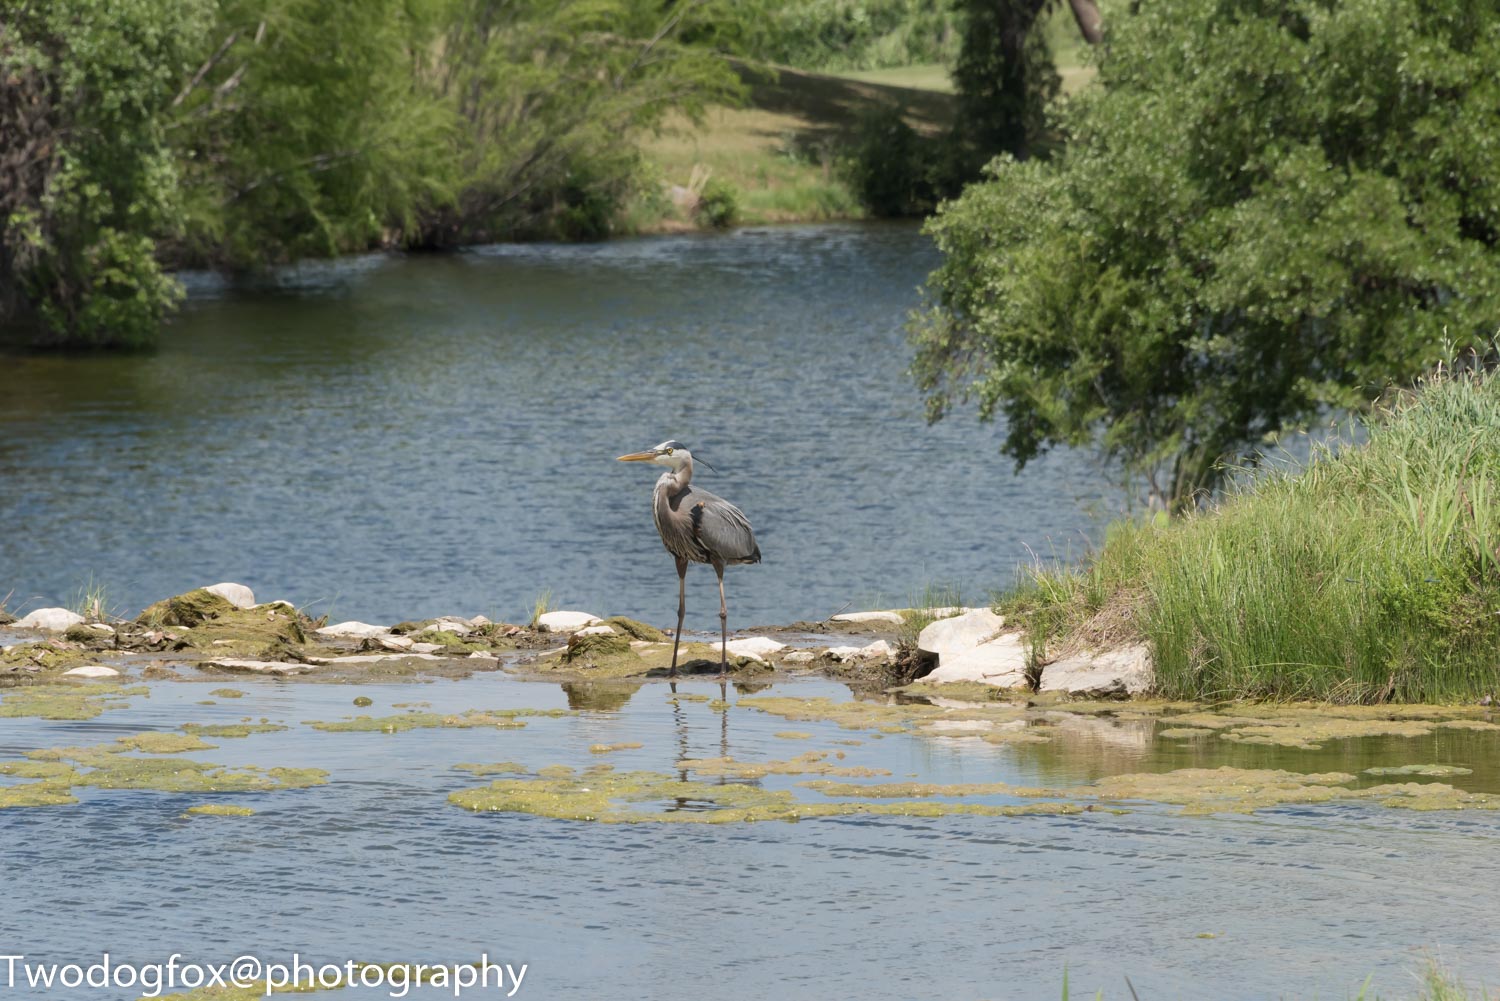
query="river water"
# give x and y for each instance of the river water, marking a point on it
(1291, 902)
(394, 437)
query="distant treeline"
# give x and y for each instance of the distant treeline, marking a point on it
(137, 135)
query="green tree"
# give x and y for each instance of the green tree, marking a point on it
(552, 96)
(301, 130)
(87, 175)
(1266, 209)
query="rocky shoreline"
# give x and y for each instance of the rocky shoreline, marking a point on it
(222, 629)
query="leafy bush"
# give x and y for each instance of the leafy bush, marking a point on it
(1369, 574)
(1264, 211)
(718, 205)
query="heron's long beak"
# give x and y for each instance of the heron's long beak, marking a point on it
(637, 457)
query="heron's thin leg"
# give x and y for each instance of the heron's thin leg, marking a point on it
(723, 625)
(681, 612)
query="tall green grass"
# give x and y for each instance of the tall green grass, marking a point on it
(1369, 573)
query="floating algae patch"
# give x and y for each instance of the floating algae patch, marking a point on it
(500, 718)
(885, 717)
(164, 743)
(687, 697)
(927, 790)
(958, 691)
(230, 729)
(794, 735)
(218, 810)
(809, 763)
(176, 775)
(1307, 734)
(1428, 796)
(69, 702)
(1184, 732)
(1430, 771)
(653, 797)
(36, 769)
(1223, 790)
(228, 693)
(49, 792)
(497, 768)
(628, 745)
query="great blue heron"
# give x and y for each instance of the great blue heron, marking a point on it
(696, 527)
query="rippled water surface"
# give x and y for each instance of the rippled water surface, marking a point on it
(400, 437)
(377, 865)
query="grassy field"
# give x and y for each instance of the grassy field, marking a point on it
(1370, 574)
(780, 152)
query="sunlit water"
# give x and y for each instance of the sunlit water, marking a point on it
(396, 437)
(377, 865)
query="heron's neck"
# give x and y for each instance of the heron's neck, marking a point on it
(675, 479)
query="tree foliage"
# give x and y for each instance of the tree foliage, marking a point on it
(87, 175)
(246, 133)
(1265, 209)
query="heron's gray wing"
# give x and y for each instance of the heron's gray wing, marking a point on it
(723, 529)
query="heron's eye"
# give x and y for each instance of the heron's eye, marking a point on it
(669, 451)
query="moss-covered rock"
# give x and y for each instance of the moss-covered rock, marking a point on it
(43, 656)
(635, 630)
(596, 646)
(191, 609)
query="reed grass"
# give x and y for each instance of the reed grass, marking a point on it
(1368, 573)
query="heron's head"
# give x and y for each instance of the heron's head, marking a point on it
(672, 453)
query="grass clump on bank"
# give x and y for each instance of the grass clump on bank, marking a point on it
(1370, 574)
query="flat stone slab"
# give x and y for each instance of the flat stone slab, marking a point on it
(758, 647)
(1126, 671)
(599, 630)
(565, 622)
(959, 634)
(237, 595)
(1000, 662)
(799, 657)
(372, 658)
(453, 624)
(92, 671)
(877, 651)
(895, 618)
(258, 666)
(353, 630)
(52, 620)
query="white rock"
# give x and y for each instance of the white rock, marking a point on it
(453, 624)
(1000, 662)
(353, 630)
(799, 657)
(54, 620)
(565, 622)
(426, 647)
(237, 595)
(947, 611)
(396, 643)
(278, 603)
(480, 620)
(599, 630)
(1126, 671)
(894, 618)
(92, 671)
(758, 647)
(959, 634)
(258, 666)
(877, 651)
